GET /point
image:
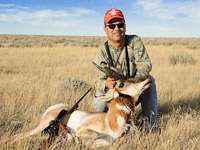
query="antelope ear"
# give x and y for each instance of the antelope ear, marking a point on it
(109, 95)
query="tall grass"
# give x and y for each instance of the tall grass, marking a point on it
(32, 79)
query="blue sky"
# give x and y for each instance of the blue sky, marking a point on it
(146, 18)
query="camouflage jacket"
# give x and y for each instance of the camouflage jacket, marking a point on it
(139, 61)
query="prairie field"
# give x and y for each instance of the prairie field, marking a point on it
(39, 71)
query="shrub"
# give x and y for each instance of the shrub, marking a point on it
(27, 44)
(13, 45)
(45, 44)
(181, 58)
(168, 43)
(95, 43)
(71, 83)
(66, 44)
(192, 46)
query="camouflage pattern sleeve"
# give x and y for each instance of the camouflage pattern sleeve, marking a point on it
(142, 60)
(100, 77)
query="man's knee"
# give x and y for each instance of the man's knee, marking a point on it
(98, 105)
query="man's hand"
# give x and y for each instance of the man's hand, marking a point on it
(110, 83)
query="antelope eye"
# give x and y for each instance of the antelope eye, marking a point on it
(121, 85)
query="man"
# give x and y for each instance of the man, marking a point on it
(137, 63)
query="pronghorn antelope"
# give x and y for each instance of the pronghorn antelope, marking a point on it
(120, 102)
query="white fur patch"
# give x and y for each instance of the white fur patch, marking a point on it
(121, 121)
(116, 94)
(53, 107)
(125, 109)
(77, 118)
(109, 95)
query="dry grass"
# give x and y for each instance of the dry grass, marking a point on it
(34, 78)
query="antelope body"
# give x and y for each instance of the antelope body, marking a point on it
(120, 102)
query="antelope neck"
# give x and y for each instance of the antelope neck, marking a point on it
(118, 115)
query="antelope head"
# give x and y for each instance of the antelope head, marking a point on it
(132, 87)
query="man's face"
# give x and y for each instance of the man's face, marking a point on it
(117, 34)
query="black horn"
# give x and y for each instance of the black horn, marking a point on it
(112, 72)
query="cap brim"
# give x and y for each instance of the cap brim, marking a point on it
(114, 17)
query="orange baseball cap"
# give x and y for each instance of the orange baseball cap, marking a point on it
(113, 13)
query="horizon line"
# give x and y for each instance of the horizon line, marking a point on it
(87, 35)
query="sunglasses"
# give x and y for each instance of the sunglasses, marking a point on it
(112, 26)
